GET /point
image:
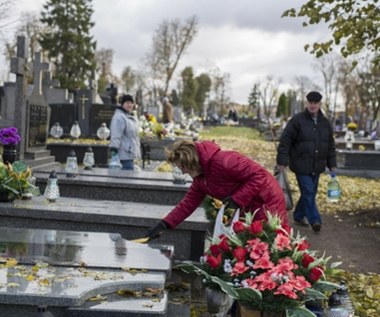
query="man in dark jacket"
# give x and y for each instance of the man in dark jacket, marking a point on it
(307, 146)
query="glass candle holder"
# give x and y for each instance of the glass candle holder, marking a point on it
(103, 132)
(89, 159)
(52, 191)
(71, 167)
(75, 131)
(56, 131)
(178, 176)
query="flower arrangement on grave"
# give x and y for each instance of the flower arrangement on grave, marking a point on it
(9, 136)
(352, 126)
(212, 205)
(151, 128)
(265, 266)
(15, 180)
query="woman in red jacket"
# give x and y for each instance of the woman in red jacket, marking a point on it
(226, 175)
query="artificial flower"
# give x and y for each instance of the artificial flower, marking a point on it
(265, 266)
(9, 136)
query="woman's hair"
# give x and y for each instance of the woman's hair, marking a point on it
(183, 153)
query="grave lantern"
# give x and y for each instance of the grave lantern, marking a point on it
(103, 132)
(178, 176)
(89, 160)
(52, 190)
(56, 131)
(75, 131)
(71, 167)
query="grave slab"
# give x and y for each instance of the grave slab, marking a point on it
(63, 269)
(119, 185)
(129, 219)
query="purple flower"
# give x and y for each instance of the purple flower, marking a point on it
(9, 136)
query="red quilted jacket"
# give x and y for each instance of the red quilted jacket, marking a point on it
(229, 173)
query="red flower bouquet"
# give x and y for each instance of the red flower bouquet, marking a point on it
(265, 266)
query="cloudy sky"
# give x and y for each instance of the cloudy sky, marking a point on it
(246, 38)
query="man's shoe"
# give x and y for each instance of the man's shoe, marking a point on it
(316, 227)
(301, 222)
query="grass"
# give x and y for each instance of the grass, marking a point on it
(230, 132)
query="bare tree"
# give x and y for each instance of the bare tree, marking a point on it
(268, 95)
(328, 66)
(128, 78)
(170, 41)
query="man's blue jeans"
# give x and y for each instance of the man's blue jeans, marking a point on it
(306, 206)
(127, 165)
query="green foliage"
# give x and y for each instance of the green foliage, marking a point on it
(204, 87)
(68, 42)
(14, 178)
(354, 25)
(190, 87)
(283, 106)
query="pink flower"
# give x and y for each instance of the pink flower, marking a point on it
(286, 289)
(282, 242)
(239, 268)
(257, 248)
(263, 262)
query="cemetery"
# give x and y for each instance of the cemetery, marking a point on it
(69, 242)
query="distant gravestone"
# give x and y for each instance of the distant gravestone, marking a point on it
(65, 114)
(100, 113)
(84, 100)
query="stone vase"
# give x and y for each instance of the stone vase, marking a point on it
(247, 311)
(9, 153)
(218, 302)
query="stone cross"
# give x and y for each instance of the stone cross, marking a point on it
(83, 99)
(38, 68)
(19, 66)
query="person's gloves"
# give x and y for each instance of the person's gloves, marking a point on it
(156, 231)
(229, 203)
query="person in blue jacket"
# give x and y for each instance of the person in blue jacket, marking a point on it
(125, 141)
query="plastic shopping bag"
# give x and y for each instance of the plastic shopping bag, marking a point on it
(282, 179)
(220, 227)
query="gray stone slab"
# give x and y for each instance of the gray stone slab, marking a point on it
(105, 172)
(116, 306)
(153, 191)
(359, 160)
(59, 286)
(131, 220)
(75, 249)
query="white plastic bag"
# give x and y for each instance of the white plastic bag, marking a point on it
(219, 227)
(283, 181)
